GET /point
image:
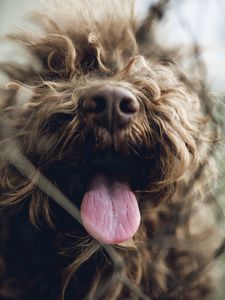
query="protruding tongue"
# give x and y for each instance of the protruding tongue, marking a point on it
(109, 211)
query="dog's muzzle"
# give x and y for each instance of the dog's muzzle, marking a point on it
(111, 107)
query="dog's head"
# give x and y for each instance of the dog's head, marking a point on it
(116, 131)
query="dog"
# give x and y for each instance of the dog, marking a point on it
(112, 122)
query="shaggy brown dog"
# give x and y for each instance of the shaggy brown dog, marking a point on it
(120, 130)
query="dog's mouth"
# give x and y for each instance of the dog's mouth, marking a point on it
(104, 187)
(109, 207)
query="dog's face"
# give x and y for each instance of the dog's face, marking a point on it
(113, 130)
(113, 143)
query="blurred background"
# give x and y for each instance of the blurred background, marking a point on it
(186, 23)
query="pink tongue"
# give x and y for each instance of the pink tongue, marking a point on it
(109, 211)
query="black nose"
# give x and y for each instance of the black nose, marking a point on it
(111, 107)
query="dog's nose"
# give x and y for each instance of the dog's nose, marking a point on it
(111, 107)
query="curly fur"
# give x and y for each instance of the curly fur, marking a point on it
(44, 255)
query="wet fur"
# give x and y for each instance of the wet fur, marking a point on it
(45, 254)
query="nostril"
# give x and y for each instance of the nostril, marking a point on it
(95, 104)
(100, 104)
(129, 105)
